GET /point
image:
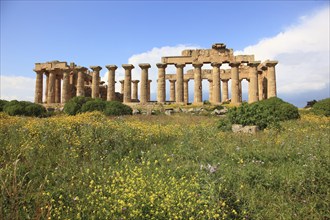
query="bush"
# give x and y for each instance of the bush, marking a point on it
(24, 108)
(94, 105)
(322, 107)
(117, 108)
(35, 110)
(2, 104)
(263, 113)
(224, 124)
(74, 105)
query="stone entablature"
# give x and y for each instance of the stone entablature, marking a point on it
(65, 81)
(218, 54)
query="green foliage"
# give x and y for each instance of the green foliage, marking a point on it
(85, 104)
(94, 105)
(322, 107)
(263, 113)
(24, 108)
(117, 108)
(206, 102)
(2, 104)
(74, 105)
(224, 124)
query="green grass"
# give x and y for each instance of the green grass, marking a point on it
(160, 167)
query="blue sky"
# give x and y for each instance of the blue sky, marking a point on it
(118, 32)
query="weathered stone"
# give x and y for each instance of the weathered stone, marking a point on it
(223, 111)
(79, 82)
(136, 112)
(169, 111)
(236, 128)
(216, 112)
(251, 129)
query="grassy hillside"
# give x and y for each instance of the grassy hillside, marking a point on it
(162, 167)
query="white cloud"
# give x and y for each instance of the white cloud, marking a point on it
(17, 87)
(303, 54)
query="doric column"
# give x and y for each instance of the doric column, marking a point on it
(58, 88)
(240, 90)
(260, 86)
(135, 89)
(198, 99)
(172, 90)
(186, 91)
(51, 86)
(148, 90)
(127, 82)
(271, 79)
(38, 88)
(224, 90)
(179, 82)
(216, 92)
(81, 81)
(161, 93)
(111, 94)
(144, 82)
(234, 83)
(66, 86)
(253, 84)
(46, 89)
(96, 81)
(121, 86)
(210, 90)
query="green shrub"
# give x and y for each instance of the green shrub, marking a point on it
(94, 105)
(24, 108)
(322, 107)
(14, 108)
(74, 105)
(117, 108)
(224, 124)
(2, 104)
(264, 113)
(35, 110)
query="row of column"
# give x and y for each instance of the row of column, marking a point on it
(178, 87)
(53, 92)
(224, 92)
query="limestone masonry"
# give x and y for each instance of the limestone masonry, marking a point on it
(65, 81)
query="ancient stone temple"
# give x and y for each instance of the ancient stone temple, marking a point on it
(65, 81)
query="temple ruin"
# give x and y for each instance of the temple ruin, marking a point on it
(65, 81)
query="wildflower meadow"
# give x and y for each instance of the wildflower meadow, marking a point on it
(91, 166)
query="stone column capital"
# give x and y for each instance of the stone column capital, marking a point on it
(224, 80)
(161, 65)
(149, 80)
(121, 81)
(215, 64)
(135, 81)
(210, 80)
(80, 68)
(234, 64)
(111, 67)
(180, 65)
(197, 65)
(128, 66)
(96, 68)
(186, 80)
(172, 80)
(271, 63)
(254, 64)
(144, 65)
(39, 71)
